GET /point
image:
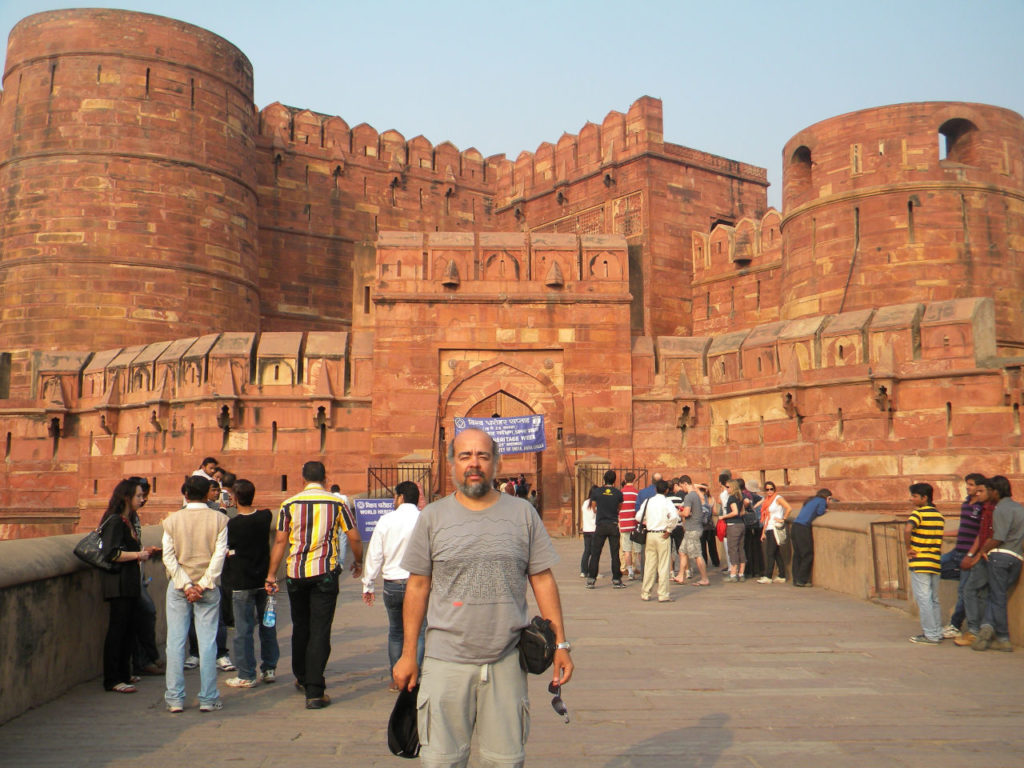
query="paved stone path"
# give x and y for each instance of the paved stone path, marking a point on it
(729, 675)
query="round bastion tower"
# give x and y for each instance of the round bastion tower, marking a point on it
(906, 203)
(127, 182)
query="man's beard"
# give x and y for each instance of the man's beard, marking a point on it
(476, 489)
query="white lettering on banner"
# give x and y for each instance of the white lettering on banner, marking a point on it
(515, 434)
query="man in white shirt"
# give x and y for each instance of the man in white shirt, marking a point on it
(383, 556)
(660, 516)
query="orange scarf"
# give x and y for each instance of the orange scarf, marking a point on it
(768, 499)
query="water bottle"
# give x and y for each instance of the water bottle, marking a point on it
(270, 613)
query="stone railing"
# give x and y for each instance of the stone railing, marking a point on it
(53, 619)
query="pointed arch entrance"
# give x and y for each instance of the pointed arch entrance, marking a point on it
(499, 388)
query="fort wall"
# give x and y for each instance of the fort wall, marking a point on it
(876, 199)
(127, 182)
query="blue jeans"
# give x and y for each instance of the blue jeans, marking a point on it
(926, 593)
(249, 605)
(179, 612)
(394, 598)
(1003, 572)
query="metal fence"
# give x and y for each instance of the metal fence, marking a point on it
(381, 480)
(589, 475)
(890, 559)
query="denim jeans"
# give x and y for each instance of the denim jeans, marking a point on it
(976, 595)
(394, 598)
(1003, 572)
(179, 613)
(249, 605)
(926, 593)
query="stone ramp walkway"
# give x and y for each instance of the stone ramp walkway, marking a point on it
(729, 675)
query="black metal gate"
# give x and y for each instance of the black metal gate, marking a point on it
(381, 480)
(589, 475)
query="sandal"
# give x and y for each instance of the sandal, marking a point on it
(124, 688)
(134, 679)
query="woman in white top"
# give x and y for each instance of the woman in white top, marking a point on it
(774, 509)
(588, 513)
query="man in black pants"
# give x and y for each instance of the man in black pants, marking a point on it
(608, 499)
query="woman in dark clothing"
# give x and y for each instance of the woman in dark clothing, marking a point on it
(122, 541)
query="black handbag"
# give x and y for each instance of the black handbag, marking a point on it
(537, 646)
(90, 549)
(639, 534)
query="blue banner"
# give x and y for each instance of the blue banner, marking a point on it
(368, 512)
(516, 434)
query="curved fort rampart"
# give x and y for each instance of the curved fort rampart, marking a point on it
(910, 202)
(126, 170)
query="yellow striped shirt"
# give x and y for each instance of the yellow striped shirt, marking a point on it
(926, 539)
(313, 520)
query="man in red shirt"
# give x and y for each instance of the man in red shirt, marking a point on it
(627, 524)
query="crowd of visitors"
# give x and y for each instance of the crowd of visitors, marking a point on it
(222, 555)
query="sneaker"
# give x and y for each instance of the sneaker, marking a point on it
(1001, 645)
(211, 706)
(949, 632)
(268, 675)
(175, 709)
(224, 664)
(764, 580)
(922, 640)
(632, 576)
(984, 639)
(779, 580)
(240, 682)
(733, 579)
(590, 584)
(965, 639)
(743, 577)
(191, 662)
(619, 585)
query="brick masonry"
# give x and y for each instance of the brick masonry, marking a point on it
(186, 275)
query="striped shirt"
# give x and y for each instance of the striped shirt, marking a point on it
(313, 520)
(970, 524)
(627, 512)
(926, 539)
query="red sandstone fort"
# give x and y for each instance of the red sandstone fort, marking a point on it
(183, 274)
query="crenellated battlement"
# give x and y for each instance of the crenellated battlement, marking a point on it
(332, 140)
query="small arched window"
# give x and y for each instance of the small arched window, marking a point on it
(958, 141)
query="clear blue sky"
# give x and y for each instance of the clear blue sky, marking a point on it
(737, 78)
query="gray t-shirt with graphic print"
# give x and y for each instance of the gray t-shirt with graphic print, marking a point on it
(478, 563)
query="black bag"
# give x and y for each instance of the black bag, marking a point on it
(639, 534)
(90, 549)
(537, 646)
(751, 517)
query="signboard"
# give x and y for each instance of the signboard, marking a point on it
(368, 512)
(516, 434)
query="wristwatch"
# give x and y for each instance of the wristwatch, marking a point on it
(564, 646)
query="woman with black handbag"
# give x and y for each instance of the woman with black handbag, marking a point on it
(122, 587)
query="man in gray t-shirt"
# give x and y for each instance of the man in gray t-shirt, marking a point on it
(692, 512)
(469, 559)
(1003, 555)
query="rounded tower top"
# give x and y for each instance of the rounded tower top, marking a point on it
(901, 143)
(84, 31)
